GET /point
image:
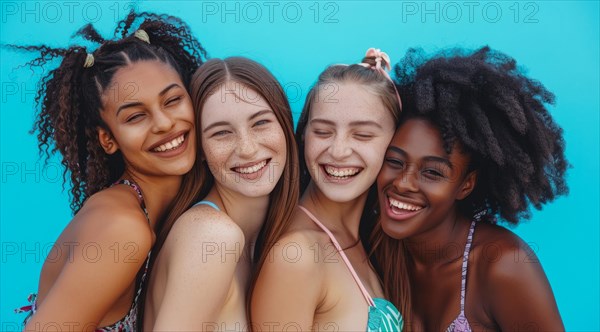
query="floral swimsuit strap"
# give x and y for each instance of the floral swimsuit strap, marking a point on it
(460, 323)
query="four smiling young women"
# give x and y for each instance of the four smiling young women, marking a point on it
(197, 169)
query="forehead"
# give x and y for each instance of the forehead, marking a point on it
(231, 101)
(348, 102)
(421, 138)
(139, 82)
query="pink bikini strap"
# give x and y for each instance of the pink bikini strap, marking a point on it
(344, 257)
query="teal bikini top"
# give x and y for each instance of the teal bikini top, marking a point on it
(209, 203)
(383, 315)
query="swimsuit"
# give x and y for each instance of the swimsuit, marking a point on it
(460, 323)
(127, 323)
(383, 315)
(209, 203)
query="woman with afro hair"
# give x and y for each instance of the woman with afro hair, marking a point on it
(123, 121)
(475, 144)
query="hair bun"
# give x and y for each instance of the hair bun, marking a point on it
(378, 59)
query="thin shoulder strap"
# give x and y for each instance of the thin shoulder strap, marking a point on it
(344, 257)
(138, 191)
(209, 203)
(465, 263)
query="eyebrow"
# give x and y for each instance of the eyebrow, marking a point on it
(427, 158)
(137, 103)
(225, 123)
(352, 124)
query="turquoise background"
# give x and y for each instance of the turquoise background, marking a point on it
(556, 41)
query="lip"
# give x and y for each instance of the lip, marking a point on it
(404, 215)
(334, 179)
(174, 152)
(252, 176)
(170, 138)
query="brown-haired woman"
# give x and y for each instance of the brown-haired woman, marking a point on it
(118, 115)
(316, 274)
(248, 163)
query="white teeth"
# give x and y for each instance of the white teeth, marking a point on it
(170, 145)
(341, 172)
(404, 206)
(251, 169)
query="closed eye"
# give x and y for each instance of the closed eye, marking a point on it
(134, 117)
(321, 132)
(173, 101)
(363, 136)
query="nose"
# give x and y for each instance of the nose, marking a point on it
(406, 180)
(162, 121)
(340, 148)
(247, 145)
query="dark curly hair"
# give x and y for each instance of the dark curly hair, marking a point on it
(498, 115)
(69, 97)
(484, 102)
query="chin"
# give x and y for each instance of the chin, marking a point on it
(340, 194)
(389, 229)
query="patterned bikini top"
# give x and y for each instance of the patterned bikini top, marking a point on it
(383, 315)
(127, 323)
(460, 323)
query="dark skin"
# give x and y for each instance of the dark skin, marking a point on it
(419, 188)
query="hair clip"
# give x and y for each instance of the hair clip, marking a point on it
(142, 35)
(89, 60)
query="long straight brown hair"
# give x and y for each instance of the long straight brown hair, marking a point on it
(390, 255)
(212, 75)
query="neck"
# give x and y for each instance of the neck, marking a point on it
(440, 245)
(249, 213)
(342, 218)
(158, 193)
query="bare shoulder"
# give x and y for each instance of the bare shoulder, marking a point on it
(114, 215)
(513, 286)
(201, 227)
(301, 249)
(504, 256)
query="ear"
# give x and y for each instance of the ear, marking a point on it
(107, 141)
(467, 186)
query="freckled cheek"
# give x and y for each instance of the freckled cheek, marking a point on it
(373, 157)
(216, 154)
(274, 139)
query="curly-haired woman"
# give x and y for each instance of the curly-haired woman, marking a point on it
(123, 122)
(475, 143)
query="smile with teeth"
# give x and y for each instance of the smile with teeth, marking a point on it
(403, 206)
(174, 144)
(342, 173)
(252, 169)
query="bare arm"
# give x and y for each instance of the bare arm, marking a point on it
(200, 269)
(520, 297)
(288, 290)
(94, 276)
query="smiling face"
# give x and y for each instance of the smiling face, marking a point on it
(419, 183)
(150, 119)
(243, 143)
(345, 142)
